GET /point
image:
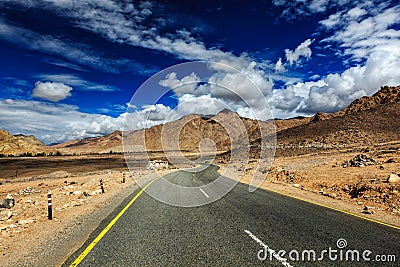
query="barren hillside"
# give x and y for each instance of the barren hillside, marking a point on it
(102, 144)
(17, 145)
(365, 122)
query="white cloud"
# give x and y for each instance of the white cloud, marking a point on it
(241, 90)
(356, 12)
(52, 91)
(69, 50)
(369, 35)
(77, 82)
(204, 104)
(315, 77)
(186, 85)
(294, 9)
(118, 22)
(303, 50)
(279, 67)
(336, 91)
(360, 38)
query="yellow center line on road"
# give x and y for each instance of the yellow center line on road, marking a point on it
(332, 208)
(108, 227)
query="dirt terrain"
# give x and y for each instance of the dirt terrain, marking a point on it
(78, 207)
(348, 180)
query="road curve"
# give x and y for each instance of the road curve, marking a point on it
(234, 230)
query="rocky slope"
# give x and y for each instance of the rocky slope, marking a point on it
(365, 122)
(29, 139)
(103, 144)
(20, 144)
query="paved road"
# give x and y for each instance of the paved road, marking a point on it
(225, 233)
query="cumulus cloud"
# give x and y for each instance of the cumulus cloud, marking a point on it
(238, 89)
(52, 91)
(366, 33)
(186, 85)
(302, 51)
(338, 90)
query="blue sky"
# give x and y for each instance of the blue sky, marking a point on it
(69, 68)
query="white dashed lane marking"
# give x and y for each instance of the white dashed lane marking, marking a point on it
(266, 249)
(204, 192)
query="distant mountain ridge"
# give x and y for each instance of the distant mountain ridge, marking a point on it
(367, 120)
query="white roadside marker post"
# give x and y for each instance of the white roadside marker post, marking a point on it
(101, 186)
(49, 207)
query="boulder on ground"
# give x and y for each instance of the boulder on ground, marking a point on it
(360, 160)
(96, 192)
(393, 178)
(5, 215)
(7, 203)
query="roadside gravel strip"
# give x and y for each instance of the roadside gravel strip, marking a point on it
(61, 244)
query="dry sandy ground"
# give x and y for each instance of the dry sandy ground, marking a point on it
(28, 238)
(363, 191)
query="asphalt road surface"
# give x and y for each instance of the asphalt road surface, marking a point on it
(237, 230)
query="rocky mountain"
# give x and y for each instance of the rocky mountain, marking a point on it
(368, 120)
(101, 144)
(190, 130)
(20, 144)
(385, 96)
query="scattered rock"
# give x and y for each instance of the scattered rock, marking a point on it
(360, 160)
(391, 160)
(27, 221)
(96, 192)
(5, 215)
(332, 195)
(69, 187)
(8, 202)
(28, 190)
(368, 210)
(393, 178)
(77, 193)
